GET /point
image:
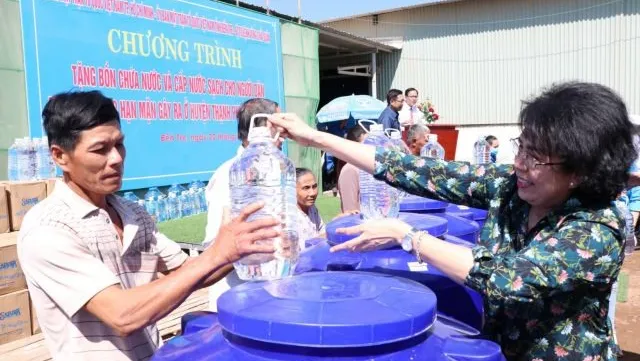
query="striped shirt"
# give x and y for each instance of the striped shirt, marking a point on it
(70, 251)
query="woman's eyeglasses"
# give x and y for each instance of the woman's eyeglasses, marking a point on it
(527, 159)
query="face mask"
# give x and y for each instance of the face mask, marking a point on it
(494, 151)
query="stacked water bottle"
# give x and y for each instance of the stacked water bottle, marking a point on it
(177, 203)
(29, 159)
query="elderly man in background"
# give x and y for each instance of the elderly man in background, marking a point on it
(417, 137)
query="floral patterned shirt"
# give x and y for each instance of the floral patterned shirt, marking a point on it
(545, 290)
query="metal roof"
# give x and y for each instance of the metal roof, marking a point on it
(426, 3)
(329, 37)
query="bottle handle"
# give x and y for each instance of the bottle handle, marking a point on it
(261, 115)
(388, 131)
(365, 121)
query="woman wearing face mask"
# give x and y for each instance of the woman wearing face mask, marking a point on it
(552, 244)
(494, 143)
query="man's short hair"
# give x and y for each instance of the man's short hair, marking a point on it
(248, 109)
(67, 114)
(392, 95)
(415, 131)
(409, 90)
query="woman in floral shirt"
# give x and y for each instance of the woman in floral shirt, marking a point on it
(552, 244)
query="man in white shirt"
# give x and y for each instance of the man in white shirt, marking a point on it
(218, 194)
(410, 113)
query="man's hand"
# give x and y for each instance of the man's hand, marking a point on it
(237, 238)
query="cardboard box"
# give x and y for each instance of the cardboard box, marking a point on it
(35, 326)
(22, 197)
(51, 184)
(5, 225)
(11, 276)
(15, 317)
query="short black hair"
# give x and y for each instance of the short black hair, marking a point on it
(67, 114)
(587, 126)
(392, 95)
(490, 138)
(248, 109)
(302, 171)
(409, 90)
(355, 133)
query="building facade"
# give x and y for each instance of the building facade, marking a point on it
(477, 60)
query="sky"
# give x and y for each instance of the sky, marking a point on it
(319, 10)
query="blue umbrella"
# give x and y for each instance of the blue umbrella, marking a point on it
(351, 107)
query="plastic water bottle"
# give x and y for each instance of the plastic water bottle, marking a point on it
(202, 196)
(264, 173)
(130, 196)
(377, 199)
(12, 164)
(26, 160)
(432, 149)
(395, 136)
(173, 202)
(52, 165)
(42, 158)
(186, 203)
(162, 207)
(482, 151)
(151, 202)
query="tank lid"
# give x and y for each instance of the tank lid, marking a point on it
(329, 309)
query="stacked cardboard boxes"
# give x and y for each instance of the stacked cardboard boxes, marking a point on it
(17, 317)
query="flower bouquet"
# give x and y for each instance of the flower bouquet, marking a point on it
(430, 115)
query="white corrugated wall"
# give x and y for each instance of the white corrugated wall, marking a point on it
(478, 59)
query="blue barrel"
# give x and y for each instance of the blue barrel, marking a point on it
(350, 316)
(415, 204)
(458, 302)
(436, 226)
(463, 220)
(461, 227)
(478, 215)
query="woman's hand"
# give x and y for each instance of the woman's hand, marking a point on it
(291, 126)
(373, 235)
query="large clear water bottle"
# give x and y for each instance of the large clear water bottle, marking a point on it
(377, 199)
(12, 164)
(395, 137)
(264, 173)
(432, 149)
(130, 196)
(482, 151)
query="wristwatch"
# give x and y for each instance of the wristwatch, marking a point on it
(407, 241)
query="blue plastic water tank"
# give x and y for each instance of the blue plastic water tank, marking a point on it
(349, 316)
(436, 226)
(458, 302)
(462, 221)
(479, 215)
(415, 204)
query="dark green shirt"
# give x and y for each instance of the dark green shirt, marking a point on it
(546, 290)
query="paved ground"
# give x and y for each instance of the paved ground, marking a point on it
(628, 313)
